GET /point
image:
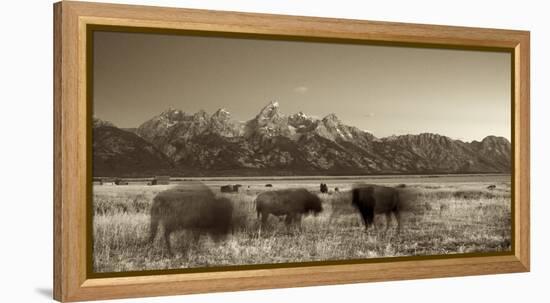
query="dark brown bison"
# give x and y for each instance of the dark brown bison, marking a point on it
(323, 188)
(230, 188)
(290, 203)
(375, 199)
(192, 207)
(227, 189)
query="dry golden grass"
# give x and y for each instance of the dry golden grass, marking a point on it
(443, 218)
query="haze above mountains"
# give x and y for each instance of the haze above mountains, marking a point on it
(272, 143)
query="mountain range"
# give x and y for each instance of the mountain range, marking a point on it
(272, 143)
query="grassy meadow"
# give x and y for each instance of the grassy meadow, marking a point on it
(446, 216)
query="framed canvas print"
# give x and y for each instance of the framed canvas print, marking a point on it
(201, 151)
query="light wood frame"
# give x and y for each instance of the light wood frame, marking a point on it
(71, 169)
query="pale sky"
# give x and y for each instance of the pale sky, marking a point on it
(385, 90)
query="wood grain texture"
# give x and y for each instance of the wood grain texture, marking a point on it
(57, 207)
(70, 148)
(522, 161)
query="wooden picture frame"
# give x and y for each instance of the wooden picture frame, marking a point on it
(72, 147)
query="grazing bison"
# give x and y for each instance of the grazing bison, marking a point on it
(230, 188)
(291, 203)
(491, 187)
(192, 207)
(375, 199)
(269, 185)
(226, 189)
(323, 188)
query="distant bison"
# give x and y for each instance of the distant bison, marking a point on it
(120, 182)
(192, 207)
(323, 188)
(226, 189)
(491, 187)
(375, 199)
(290, 203)
(230, 188)
(269, 185)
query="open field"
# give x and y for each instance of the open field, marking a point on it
(448, 215)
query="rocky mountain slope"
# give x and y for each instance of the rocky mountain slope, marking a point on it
(117, 152)
(273, 143)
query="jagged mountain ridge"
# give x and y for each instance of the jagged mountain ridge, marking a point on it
(118, 152)
(272, 143)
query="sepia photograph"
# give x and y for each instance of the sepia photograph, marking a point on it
(213, 151)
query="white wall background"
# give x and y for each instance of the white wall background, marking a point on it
(26, 149)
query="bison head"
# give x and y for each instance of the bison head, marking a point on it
(361, 194)
(313, 205)
(221, 215)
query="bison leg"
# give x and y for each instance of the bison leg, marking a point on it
(292, 218)
(197, 236)
(397, 215)
(263, 222)
(288, 219)
(264, 218)
(388, 221)
(167, 233)
(153, 229)
(368, 217)
(298, 219)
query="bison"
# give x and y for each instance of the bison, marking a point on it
(290, 203)
(226, 189)
(230, 188)
(192, 207)
(375, 199)
(323, 188)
